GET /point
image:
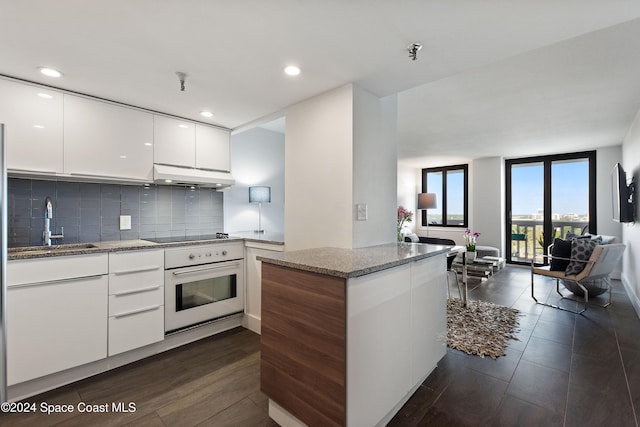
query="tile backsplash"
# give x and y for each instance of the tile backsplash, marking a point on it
(90, 212)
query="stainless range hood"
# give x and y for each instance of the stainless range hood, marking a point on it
(177, 175)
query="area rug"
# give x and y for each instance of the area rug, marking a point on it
(481, 328)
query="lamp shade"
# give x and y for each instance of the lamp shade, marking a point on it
(260, 194)
(427, 201)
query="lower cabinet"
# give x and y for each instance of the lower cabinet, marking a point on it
(136, 299)
(56, 314)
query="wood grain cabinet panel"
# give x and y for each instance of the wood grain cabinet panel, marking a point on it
(303, 358)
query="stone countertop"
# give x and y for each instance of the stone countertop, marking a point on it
(347, 263)
(266, 237)
(33, 252)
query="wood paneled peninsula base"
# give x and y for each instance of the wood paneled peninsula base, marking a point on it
(348, 335)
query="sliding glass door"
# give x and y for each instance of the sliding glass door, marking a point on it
(547, 197)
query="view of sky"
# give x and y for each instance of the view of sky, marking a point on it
(570, 189)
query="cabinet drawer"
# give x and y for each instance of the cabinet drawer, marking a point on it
(22, 271)
(128, 303)
(120, 284)
(136, 330)
(126, 262)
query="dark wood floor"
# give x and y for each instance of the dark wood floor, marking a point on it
(565, 370)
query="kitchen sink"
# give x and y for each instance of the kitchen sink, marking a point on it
(38, 250)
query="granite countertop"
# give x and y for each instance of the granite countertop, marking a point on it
(266, 237)
(348, 263)
(33, 252)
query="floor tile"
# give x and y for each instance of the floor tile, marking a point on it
(516, 412)
(540, 385)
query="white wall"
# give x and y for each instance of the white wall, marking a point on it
(486, 184)
(318, 166)
(257, 158)
(340, 151)
(374, 167)
(631, 232)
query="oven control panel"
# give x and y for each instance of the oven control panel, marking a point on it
(202, 254)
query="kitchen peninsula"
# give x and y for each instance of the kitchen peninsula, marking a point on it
(349, 334)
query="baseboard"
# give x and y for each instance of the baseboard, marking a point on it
(252, 322)
(635, 301)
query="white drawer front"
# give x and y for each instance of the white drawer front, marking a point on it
(137, 330)
(135, 282)
(120, 305)
(132, 261)
(21, 271)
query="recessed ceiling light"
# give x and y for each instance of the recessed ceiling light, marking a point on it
(148, 144)
(168, 181)
(206, 113)
(50, 72)
(292, 70)
(183, 126)
(123, 157)
(38, 126)
(45, 95)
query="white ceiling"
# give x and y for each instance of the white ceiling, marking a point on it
(508, 77)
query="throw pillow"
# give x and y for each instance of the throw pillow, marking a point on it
(581, 250)
(561, 248)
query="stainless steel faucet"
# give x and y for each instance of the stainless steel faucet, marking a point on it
(46, 234)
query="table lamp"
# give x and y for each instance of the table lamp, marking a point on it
(427, 201)
(259, 195)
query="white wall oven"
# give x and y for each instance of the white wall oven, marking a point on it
(203, 283)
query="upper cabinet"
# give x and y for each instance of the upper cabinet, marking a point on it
(183, 143)
(212, 148)
(33, 119)
(106, 140)
(174, 141)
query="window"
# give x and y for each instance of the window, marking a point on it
(450, 185)
(548, 197)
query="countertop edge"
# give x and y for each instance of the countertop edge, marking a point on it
(351, 273)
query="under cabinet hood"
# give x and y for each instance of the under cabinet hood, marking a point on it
(176, 175)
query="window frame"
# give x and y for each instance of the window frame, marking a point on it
(444, 170)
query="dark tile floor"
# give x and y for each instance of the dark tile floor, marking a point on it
(565, 369)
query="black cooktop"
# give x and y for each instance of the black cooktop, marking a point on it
(179, 239)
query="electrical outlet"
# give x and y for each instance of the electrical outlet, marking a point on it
(125, 222)
(361, 210)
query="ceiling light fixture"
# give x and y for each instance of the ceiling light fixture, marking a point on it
(206, 113)
(50, 72)
(183, 126)
(45, 95)
(292, 70)
(413, 49)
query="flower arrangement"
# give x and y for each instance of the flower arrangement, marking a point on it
(471, 240)
(404, 215)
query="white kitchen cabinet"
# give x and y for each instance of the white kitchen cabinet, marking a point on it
(428, 315)
(136, 299)
(213, 148)
(56, 314)
(253, 305)
(103, 140)
(33, 117)
(378, 343)
(174, 141)
(191, 145)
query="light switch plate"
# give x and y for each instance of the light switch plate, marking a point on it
(125, 222)
(361, 210)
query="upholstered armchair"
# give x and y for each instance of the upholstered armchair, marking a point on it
(580, 269)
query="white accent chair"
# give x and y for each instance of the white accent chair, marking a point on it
(600, 264)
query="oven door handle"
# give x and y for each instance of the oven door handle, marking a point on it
(201, 269)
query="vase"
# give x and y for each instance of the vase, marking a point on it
(400, 236)
(471, 255)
